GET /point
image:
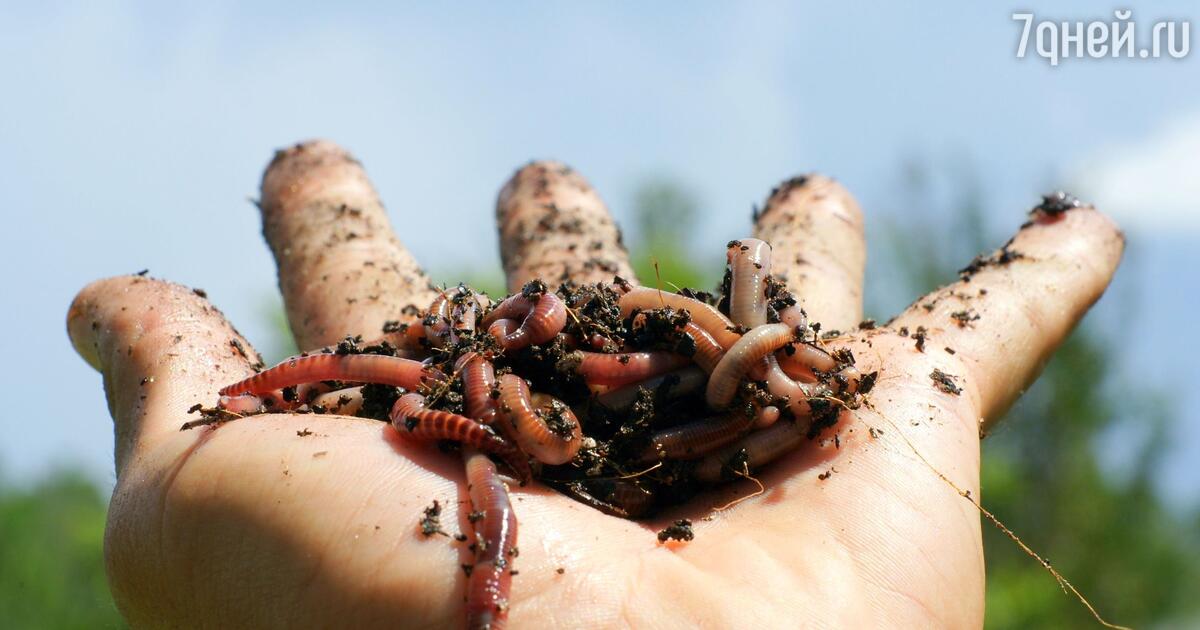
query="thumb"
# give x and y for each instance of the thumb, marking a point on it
(161, 348)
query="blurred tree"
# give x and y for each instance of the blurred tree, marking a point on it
(51, 556)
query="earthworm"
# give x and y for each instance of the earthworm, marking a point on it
(755, 449)
(708, 352)
(360, 368)
(410, 417)
(694, 439)
(552, 442)
(750, 262)
(801, 363)
(479, 378)
(766, 416)
(242, 404)
(749, 350)
(345, 402)
(490, 578)
(615, 370)
(704, 315)
(542, 320)
(681, 383)
(437, 322)
(795, 317)
(797, 394)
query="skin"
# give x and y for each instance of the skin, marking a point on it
(253, 525)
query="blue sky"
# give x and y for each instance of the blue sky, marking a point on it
(133, 134)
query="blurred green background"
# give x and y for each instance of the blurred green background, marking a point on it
(1045, 471)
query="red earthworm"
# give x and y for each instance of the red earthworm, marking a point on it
(748, 351)
(708, 352)
(545, 427)
(479, 378)
(755, 449)
(704, 315)
(694, 439)
(359, 368)
(615, 370)
(490, 578)
(543, 319)
(410, 417)
(689, 379)
(750, 263)
(437, 321)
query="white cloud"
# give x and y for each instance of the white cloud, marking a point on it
(1152, 184)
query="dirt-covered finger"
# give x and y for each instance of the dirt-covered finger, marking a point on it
(342, 269)
(554, 226)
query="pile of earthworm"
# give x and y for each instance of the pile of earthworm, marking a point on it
(624, 397)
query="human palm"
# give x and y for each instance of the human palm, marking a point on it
(286, 520)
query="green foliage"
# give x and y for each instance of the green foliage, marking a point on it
(51, 558)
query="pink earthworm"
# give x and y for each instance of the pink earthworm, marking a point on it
(615, 370)
(344, 402)
(797, 394)
(766, 416)
(554, 442)
(750, 262)
(755, 449)
(685, 381)
(246, 404)
(543, 317)
(695, 439)
(704, 315)
(410, 417)
(744, 355)
(795, 317)
(490, 578)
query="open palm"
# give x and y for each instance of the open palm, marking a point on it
(286, 521)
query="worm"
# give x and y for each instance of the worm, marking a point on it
(694, 439)
(750, 262)
(359, 368)
(797, 394)
(437, 321)
(544, 426)
(345, 402)
(479, 378)
(410, 417)
(615, 370)
(795, 317)
(678, 383)
(749, 350)
(543, 318)
(708, 352)
(490, 580)
(755, 450)
(704, 315)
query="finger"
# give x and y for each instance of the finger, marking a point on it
(341, 268)
(815, 229)
(553, 226)
(161, 349)
(1009, 312)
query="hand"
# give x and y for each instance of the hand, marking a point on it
(286, 521)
